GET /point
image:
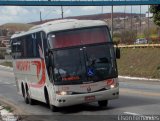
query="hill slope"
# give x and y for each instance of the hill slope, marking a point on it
(140, 62)
(16, 26)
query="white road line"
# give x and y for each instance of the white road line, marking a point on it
(5, 67)
(136, 114)
(130, 113)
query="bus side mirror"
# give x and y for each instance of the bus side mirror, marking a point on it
(47, 52)
(118, 54)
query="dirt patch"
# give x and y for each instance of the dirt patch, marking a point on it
(15, 109)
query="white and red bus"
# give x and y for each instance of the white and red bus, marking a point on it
(66, 62)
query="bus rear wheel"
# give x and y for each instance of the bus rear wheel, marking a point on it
(103, 103)
(26, 99)
(30, 100)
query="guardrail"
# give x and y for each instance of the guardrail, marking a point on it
(140, 46)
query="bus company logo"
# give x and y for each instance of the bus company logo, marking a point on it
(23, 65)
(88, 89)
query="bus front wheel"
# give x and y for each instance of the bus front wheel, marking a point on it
(103, 103)
(53, 108)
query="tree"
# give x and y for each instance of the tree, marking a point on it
(155, 9)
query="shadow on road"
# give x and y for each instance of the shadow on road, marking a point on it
(122, 102)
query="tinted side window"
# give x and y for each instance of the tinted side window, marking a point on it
(16, 47)
(29, 46)
(45, 45)
(39, 49)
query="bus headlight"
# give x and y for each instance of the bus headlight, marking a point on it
(112, 83)
(112, 86)
(63, 93)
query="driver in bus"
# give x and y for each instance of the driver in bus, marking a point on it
(59, 71)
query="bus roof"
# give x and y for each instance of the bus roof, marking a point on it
(59, 25)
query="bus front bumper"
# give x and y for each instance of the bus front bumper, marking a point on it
(68, 100)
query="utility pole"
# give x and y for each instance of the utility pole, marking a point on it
(131, 19)
(40, 16)
(148, 23)
(124, 23)
(112, 22)
(62, 12)
(140, 20)
(131, 24)
(102, 9)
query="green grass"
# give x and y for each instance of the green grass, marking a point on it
(2, 54)
(6, 63)
(140, 62)
(8, 108)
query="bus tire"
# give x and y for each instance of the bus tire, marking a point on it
(24, 94)
(30, 100)
(52, 107)
(26, 99)
(103, 103)
(23, 90)
(46, 96)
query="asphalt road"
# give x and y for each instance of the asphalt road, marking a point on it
(136, 98)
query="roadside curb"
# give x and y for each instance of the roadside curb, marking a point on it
(139, 78)
(5, 67)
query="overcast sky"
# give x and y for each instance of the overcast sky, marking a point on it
(19, 14)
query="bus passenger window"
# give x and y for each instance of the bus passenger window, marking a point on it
(16, 49)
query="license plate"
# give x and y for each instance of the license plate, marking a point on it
(90, 98)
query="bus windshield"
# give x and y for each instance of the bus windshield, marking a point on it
(85, 61)
(72, 38)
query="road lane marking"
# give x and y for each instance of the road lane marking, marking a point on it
(6, 67)
(130, 113)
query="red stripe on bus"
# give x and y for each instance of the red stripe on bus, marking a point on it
(43, 78)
